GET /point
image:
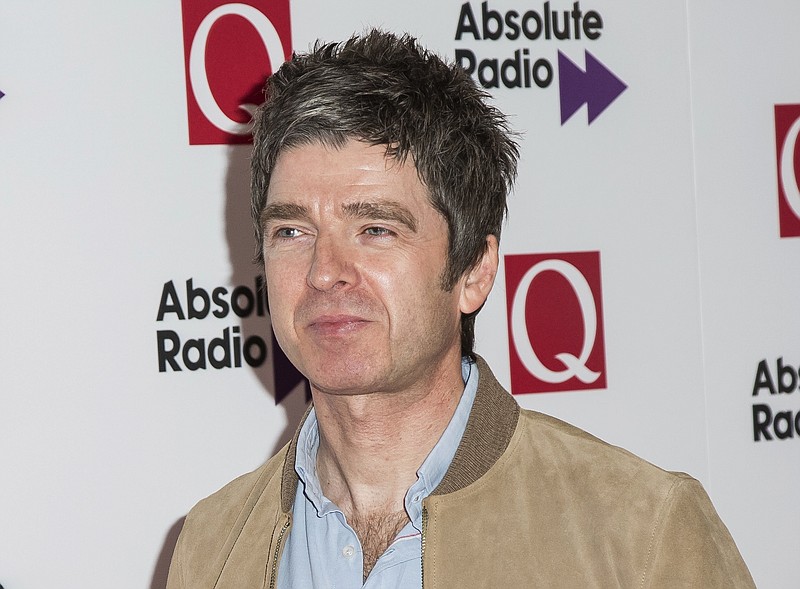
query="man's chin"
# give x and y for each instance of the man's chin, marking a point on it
(342, 387)
(345, 378)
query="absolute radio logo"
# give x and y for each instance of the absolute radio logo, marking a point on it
(555, 322)
(787, 129)
(527, 67)
(190, 345)
(778, 383)
(229, 51)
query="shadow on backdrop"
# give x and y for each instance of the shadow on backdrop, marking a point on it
(159, 580)
(278, 377)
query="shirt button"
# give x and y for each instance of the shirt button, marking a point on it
(348, 551)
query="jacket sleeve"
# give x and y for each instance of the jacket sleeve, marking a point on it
(690, 546)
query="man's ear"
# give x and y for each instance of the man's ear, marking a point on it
(478, 281)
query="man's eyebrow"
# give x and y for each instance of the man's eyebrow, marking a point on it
(283, 211)
(389, 211)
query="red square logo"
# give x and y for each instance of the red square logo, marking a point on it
(787, 128)
(555, 322)
(230, 49)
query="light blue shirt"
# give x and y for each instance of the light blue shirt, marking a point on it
(322, 550)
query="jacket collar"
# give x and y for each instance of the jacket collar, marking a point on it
(489, 429)
(491, 424)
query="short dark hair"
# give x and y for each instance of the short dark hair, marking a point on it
(386, 89)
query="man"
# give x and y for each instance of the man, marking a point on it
(380, 178)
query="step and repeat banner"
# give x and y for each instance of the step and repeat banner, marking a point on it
(650, 263)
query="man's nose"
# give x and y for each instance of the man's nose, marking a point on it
(332, 266)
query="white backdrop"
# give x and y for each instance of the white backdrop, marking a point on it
(104, 201)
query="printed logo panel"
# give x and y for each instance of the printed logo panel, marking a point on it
(787, 129)
(555, 322)
(776, 416)
(517, 49)
(205, 328)
(229, 51)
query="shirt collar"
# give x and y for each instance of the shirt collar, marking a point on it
(429, 475)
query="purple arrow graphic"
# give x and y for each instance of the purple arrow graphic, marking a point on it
(2, 94)
(287, 377)
(597, 87)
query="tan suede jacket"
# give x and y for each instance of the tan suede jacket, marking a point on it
(529, 501)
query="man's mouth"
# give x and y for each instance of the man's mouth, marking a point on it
(337, 325)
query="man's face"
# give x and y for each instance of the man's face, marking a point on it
(354, 253)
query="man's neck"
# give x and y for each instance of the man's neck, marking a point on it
(372, 445)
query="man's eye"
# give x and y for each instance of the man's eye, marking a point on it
(287, 233)
(377, 231)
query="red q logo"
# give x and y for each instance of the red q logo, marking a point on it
(787, 129)
(555, 322)
(229, 51)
